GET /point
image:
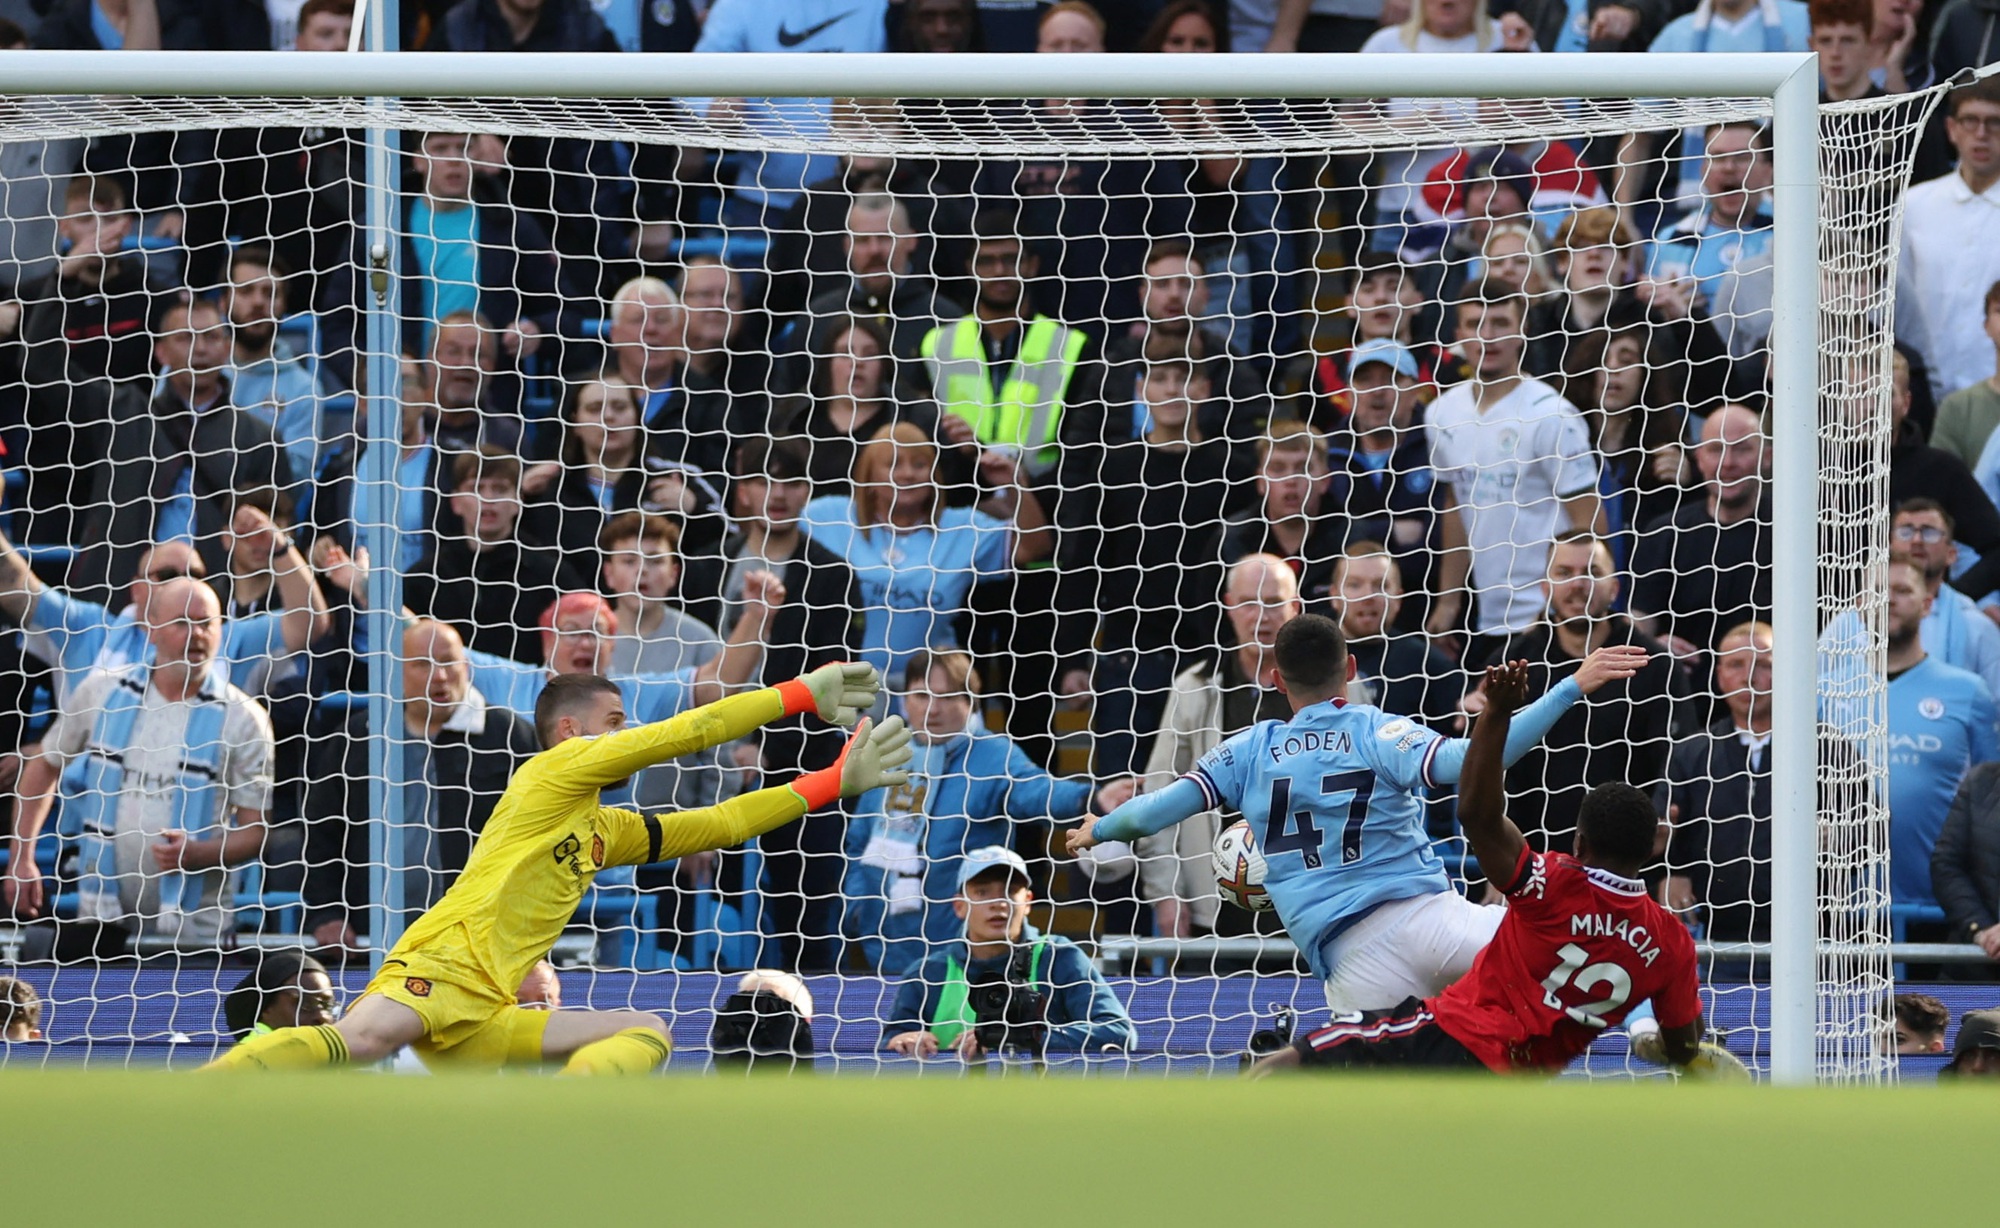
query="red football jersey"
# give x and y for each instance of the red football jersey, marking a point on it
(1579, 948)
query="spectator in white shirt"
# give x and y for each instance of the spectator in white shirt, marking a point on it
(1951, 247)
(1518, 458)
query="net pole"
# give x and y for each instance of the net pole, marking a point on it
(382, 373)
(1795, 575)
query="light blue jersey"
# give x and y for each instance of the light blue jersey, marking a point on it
(1331, 796)
(78, 636)
(1941, 722)
(516, 685)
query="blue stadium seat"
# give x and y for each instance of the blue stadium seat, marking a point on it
(625, 921)
(256, 908)
(16, 487)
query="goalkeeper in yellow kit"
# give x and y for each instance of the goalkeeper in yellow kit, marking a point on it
(447, 989)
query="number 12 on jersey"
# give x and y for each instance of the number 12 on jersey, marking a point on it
(1293, 831)
(1614, 980)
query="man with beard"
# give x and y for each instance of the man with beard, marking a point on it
(882, 284)
(1921, 533)
(1010, 373)
(1520, 465)
(268, 379)
(1621, 735)
(178, 463)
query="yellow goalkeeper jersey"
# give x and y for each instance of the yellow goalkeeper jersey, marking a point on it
(549, 836)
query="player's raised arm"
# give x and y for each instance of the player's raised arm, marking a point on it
(1532, 724)
(838, 693)
(873, 758)
(1142, 816)
(1482, 789)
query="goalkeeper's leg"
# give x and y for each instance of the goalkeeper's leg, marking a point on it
(373, 1029)
(606, 1042)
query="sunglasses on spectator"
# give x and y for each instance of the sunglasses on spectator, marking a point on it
(160, 575)
(1928, 534)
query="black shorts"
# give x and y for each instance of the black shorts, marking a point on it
(1406, 1035)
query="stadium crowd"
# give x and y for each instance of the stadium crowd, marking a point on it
(1055, 443)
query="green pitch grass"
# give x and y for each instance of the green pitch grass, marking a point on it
(115, 1148)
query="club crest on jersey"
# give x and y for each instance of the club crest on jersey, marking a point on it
(597, 850)
(1931, 708)
(417, 986)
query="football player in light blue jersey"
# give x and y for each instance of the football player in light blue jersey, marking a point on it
(1331, 798)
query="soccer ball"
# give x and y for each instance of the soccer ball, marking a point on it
(1239, 868)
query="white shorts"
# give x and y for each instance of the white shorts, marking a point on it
(1408, 949)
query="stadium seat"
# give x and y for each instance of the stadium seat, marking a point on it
(255, 907)
(625, 921)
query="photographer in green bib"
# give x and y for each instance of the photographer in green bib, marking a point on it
(1005, 988)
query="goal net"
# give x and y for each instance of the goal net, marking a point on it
(1051, 410)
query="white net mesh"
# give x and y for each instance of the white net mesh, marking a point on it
(1096, 393)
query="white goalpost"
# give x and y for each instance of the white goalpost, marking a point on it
(1822, 965)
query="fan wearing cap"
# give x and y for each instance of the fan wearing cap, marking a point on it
(1383, 481)
(1385, 303)
(1976, 1052)
(933, 1011)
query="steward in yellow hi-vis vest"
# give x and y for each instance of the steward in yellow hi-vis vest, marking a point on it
(1026, 410)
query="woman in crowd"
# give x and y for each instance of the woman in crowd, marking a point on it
(1646, 470)
(602, 472)
(1224, 207)
(851, 398)
(915, 556)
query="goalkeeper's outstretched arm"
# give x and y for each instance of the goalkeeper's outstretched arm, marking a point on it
(838, 693)
(872, 759)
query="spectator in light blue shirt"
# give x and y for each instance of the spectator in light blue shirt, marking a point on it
(1724, 25)
(1941, 723)
(76, 636)
(915, 558)
(768, 182)
(267, 378)
(1723, 247)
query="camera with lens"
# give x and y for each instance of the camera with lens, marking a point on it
(1010, 1016)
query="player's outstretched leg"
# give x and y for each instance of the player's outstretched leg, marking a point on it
(287, 1049)
(375, 1028)
(607, 1042)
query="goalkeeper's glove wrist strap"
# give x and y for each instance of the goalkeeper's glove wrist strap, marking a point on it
(820, 788)
(796, 696)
